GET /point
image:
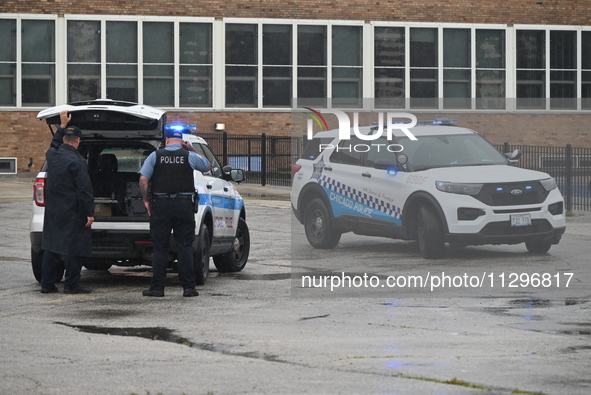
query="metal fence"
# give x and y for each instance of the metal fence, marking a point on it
(570, 166)
(267, 160)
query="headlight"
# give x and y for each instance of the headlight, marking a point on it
(456, 187)
(549, 184)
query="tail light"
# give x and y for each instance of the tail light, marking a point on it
(39, 192)
(294, 169)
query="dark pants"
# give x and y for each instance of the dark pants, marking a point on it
(172, 215)
(51, 270)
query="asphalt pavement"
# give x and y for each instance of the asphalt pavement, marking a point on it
(261, 332)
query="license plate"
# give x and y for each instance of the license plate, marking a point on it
(521, 219)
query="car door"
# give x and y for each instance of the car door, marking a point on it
(217, 194)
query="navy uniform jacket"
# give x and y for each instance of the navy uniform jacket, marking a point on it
(69, 201)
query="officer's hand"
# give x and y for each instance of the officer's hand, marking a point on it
(89, 221)
(188, 146)
(65, 118)
(148, 205)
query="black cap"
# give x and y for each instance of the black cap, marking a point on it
(73, 131)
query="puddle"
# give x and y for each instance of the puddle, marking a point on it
(12, 258)
(169, 335)
(313, 318)
(105, 314)
(530, 302)
(262, 277)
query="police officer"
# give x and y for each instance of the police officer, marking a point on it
(69, 211)
(170, 171)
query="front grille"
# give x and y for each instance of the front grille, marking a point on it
(504, 228)
(512, 194)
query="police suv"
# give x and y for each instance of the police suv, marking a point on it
(449, 185)
(117, 137)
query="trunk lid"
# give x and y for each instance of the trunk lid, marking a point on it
(110, 119)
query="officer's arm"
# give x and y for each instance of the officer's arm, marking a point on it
(144, 183)
(58, 138)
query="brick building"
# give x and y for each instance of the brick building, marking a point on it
(514, 71)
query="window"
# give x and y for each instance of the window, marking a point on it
(196, 83)
(38, 62)
(563, 69)
(241, 65)
(122, 59)
(490, 69)
(277, 65)
(389, 72)
(84, 60)
(158, 64)
(424, 62)
(312, 64)
(531, 69)
(586, 72)
(8, 62)
(457, 62)
(347, 66)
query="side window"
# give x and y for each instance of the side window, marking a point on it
(379, 150)
(349, 152)
(216, 169)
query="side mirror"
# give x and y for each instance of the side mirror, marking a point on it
(236, 175)
(513, 156)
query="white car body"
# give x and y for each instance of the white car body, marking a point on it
(424, 194)
(121, 231)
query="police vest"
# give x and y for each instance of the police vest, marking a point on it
(172, 172)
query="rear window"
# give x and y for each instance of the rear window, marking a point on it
(313, 147)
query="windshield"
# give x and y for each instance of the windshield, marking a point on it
(453, 150)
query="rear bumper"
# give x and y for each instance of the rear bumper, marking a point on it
(111, 244)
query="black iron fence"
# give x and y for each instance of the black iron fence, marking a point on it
(570, 166)
(267, 160)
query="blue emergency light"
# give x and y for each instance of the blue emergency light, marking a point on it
(184, 129)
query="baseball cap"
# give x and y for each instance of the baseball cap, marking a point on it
(173, 134)
(73, 131)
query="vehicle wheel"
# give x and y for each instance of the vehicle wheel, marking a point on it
(430, 234)
(235, 259)
(37, 263)
(201, 256)
(538, 246)
(318, 226)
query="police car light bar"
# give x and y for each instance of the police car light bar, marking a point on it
(432, 122)
(185, 129)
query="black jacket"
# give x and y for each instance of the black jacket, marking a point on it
(69, 201)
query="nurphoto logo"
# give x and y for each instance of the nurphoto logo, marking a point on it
(345, 124)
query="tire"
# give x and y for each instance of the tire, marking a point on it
(318, 226)
(430, 234)
(235, 259)
(201, 256)
(538, 246)
(37, 263)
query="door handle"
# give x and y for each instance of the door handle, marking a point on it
(209, 186)
(368, 175)
(329, 168)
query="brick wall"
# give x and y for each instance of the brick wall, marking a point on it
(23, 136)
(572, 12)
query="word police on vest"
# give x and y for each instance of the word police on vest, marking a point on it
(172, 159)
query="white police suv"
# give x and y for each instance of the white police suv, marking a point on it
(449, 185)
(117, 139)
